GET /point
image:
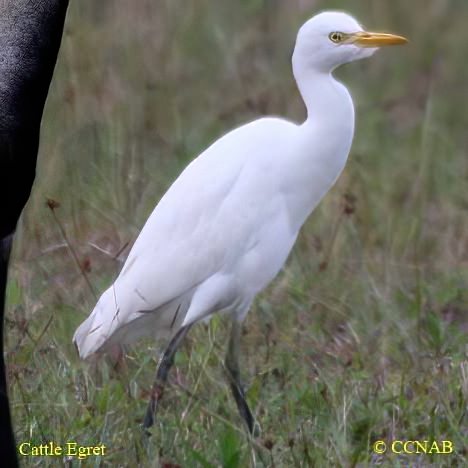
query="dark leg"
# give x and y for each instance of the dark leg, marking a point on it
(30, 37)
(7, 441)
(165, 364)
(232, 366)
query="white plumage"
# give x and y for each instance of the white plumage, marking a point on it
(226, 226)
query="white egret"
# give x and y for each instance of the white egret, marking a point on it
(226, 226)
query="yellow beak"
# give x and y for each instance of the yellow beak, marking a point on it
(369, 39)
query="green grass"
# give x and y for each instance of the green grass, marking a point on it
(362, 336)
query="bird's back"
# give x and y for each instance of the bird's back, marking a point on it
(224, 217)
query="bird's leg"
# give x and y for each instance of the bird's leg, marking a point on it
(232, 366)
(165, 364)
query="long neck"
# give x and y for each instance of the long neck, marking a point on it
(324, 140)
(326, 99)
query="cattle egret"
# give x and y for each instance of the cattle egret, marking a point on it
(226, 226)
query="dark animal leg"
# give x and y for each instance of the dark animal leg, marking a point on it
(7, 441)
(31, 32)
(165, 364)
(232, 366)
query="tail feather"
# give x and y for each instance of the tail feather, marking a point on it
(113, 321)
(94, 332)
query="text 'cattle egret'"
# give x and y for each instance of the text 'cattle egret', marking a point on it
(226, 226)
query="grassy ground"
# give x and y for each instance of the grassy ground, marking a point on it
(362, 336)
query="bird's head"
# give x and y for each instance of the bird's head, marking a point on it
(331, 38)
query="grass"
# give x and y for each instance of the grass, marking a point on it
(362, 336)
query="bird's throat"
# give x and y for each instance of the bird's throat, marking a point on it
(327, 101)
(324, 142)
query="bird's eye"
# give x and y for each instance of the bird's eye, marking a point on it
(336, 37)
